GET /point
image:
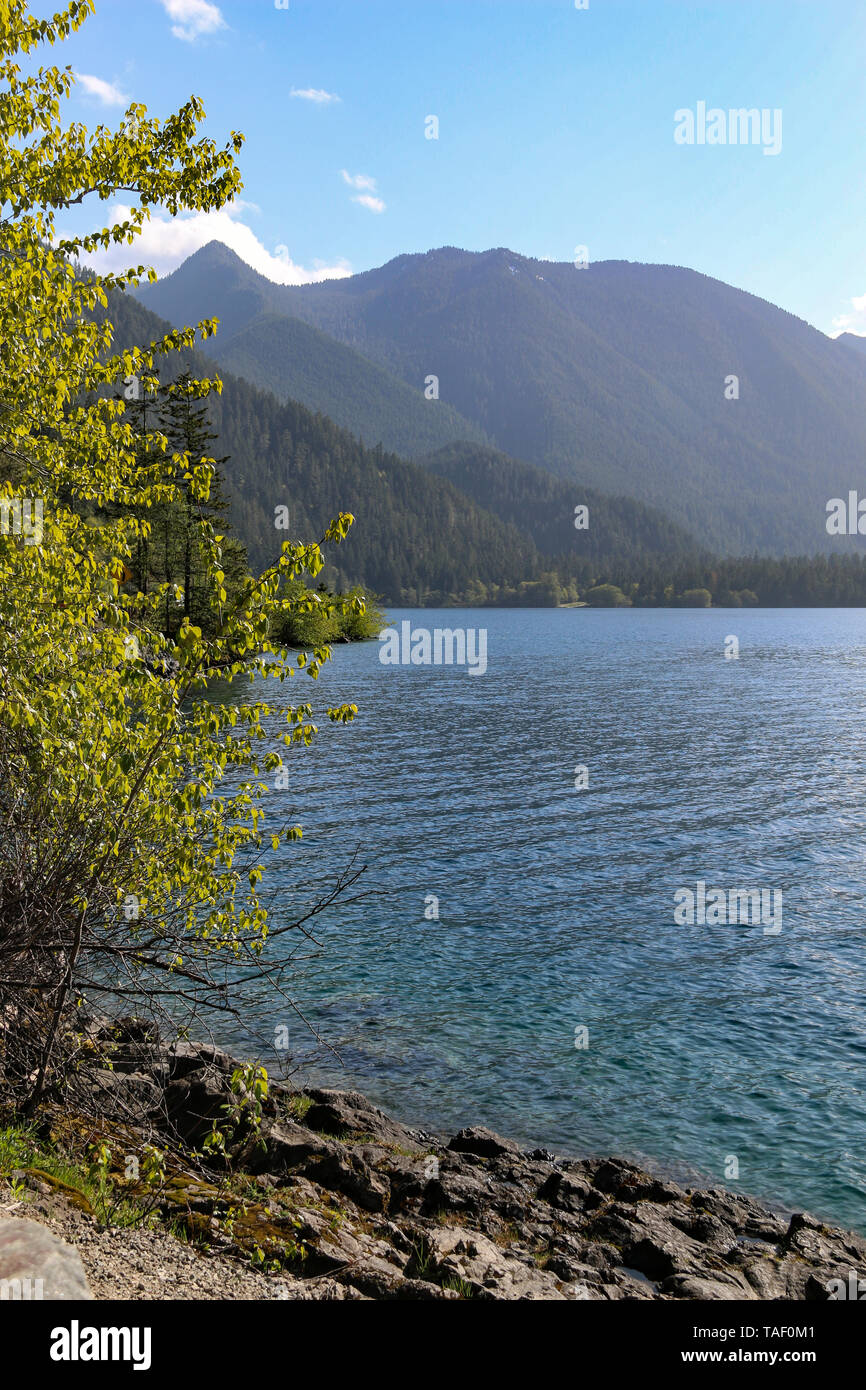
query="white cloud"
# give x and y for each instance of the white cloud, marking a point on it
(366, 199)
(358, 180)
(106, 92)
(194, 18)
(167, 241)
(316, 94)
(852, 323)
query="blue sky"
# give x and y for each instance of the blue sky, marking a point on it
(556, 130)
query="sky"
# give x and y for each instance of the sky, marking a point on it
(557, 130)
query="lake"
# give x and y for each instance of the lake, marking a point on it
(710, 1050)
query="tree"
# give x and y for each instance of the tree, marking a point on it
(606, 596)
(696, 598)
(133, 838)
(173, 552)
(189, 437)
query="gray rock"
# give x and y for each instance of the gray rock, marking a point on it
(693, 1286)
(351, 1176)
(483, 1142)
(349, 1115)
(490, 1271)
(286, 1146)
(132, 1092)
(569, 1193)
(185, 1057)
(193, 1105)
(36, 1264)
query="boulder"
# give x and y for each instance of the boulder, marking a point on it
(347, 1114)
(483, 1142)
(351, 1176)
(489, 1271)
(570, 1193)
(35, 1264)
(194, 1105)
(285, 1147)
(186, 1057)
(133, 1093)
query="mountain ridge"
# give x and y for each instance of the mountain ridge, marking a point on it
(612, 377)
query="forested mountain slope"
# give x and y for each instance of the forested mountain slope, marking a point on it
(613, 376)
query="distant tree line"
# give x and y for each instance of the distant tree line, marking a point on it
(802, 581)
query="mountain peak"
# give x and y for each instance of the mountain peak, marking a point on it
(217, 256)
(217, 251)
(214, 282)
(857, 341)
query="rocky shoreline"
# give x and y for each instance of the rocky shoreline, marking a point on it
(317, 1194)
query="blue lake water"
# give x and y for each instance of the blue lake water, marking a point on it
(556, 905)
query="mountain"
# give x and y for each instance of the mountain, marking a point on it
(295, 361)
(216, 277)
(417, 537)
(612, 376)
(857, 341)
(619, 530)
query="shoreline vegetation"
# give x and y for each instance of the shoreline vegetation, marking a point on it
(241, 1186)
(819, 581)
(340, 620)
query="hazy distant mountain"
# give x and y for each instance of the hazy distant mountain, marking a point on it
(613, 376)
